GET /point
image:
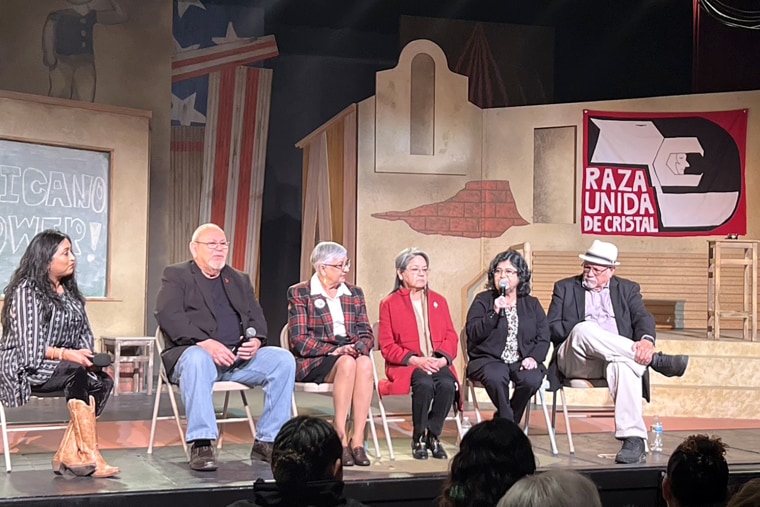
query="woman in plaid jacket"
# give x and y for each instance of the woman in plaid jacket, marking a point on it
(331, 338)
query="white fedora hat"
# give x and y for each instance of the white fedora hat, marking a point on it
(601, 253)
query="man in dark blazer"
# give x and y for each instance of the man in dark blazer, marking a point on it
(601, 329)
(216, 331)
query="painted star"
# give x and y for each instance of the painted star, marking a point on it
(179, 49)
(184, 5)
(183, 110)
(231, 36)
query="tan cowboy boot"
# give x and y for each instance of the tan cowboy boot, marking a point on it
(69, 455)
(86, 422)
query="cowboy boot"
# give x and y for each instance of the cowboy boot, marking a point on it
(69, 455)
(86, 422)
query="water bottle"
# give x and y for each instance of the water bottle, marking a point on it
(466, 425)
(656, 444)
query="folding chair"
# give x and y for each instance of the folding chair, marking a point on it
(541, 393)
(378, 359)
(10, 427)
(225, 387)
(323, 388)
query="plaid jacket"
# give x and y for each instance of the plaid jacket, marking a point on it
(311, 327)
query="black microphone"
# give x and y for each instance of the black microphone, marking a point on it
(250, 332)
(503, 291)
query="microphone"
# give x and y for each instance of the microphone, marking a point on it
(250, 332)
(503, 292)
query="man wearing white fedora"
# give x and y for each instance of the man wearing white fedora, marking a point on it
(601, 329)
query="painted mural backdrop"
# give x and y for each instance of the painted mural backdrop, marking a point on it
(674, 174)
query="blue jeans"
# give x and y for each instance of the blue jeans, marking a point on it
(272, 368)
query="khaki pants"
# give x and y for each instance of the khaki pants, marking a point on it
(591, 352)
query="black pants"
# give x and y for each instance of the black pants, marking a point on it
(438, 389)
(77, 383)
(495, 376)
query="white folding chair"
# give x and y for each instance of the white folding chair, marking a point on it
(378, 363)
(541, 393)
(323, 388)
(225, 387)
(11, 427)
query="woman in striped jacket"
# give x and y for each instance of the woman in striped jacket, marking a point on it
(47, 345)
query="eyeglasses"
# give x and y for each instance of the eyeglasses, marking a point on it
(598, 270)
(417, 271)
(341, 267)
(505, 272)
(215, 245)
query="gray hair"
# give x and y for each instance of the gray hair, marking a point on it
(558, 488)
(403, 259)
(326, 252)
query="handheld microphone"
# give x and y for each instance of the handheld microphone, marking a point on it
(503, 291)
(250, 332)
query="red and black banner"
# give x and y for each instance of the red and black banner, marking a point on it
(664, 174)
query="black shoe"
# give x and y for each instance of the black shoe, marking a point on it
(436, 449)
(633, 451)
(419, 448)
(202, 458)
(262, 451)
(670, 366)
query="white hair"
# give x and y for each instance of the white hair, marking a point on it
(202, 228)
(558, 488)
(327, 251)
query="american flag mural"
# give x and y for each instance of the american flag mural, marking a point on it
(220, 119)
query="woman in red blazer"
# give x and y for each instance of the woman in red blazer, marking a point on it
(419, 344)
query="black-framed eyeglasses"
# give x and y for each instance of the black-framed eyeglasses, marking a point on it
(342, 267)
(214, 245)
(598, 270)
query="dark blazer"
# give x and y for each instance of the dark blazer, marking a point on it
(311, 328)
(487, 331)
(185, 308)
(568, 308)
(399, 338)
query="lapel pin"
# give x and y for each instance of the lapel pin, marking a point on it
(435, 304)
(319, 303)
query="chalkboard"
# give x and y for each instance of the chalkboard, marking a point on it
(52, 187)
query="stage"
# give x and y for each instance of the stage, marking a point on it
(164, 476)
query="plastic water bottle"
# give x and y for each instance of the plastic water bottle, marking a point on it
(466, 425)
(656, 444)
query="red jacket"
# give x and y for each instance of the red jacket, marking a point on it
(399, 339)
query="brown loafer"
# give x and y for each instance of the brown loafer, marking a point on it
(360, 457)
(347, 458)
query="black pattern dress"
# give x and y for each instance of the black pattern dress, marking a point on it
(36, 324)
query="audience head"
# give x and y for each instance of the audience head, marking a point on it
(747, 496)
(512, 259)
(697, 473)
(306, 449)
(555, 488)
(209, 247)
(492, 456)
(411, 269)
(48, 260)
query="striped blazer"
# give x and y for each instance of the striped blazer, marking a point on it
(311, 328)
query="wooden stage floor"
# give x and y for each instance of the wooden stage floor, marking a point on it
(165, 477)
